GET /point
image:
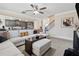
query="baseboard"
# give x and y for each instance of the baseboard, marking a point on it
(63, 38)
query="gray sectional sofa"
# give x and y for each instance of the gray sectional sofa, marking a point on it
(8, 47)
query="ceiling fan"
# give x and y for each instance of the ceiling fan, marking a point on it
(36, 9)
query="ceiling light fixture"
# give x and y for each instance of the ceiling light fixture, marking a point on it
(36, 12)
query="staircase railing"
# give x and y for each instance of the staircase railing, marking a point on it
(50, 25)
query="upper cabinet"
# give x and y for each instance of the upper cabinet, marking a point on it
(15, 23)
(10, 23)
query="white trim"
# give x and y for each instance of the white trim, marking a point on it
(16, 15)
(65, 12)
(65, 38)
(60, 37)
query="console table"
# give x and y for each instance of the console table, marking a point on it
(28, 44)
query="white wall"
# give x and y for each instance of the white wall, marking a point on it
(58, 31)
(2, 20)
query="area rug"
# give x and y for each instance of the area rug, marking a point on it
(50, 52)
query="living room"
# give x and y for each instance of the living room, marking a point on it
(37, 29)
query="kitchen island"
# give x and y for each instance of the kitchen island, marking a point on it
(16, 33)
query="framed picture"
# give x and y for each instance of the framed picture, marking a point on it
(67, 21)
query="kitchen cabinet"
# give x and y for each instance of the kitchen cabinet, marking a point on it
(17, 23)
(10, 23)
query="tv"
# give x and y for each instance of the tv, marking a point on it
(77, 9)
(76, 32)
(76, 40)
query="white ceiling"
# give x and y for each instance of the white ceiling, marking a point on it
(52, 8)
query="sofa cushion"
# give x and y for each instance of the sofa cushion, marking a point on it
(7, 48)
(2, 39)
(6, 44)
(11, 51)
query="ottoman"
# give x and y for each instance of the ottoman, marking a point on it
(41, 46)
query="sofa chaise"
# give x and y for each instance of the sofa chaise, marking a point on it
(7, 48)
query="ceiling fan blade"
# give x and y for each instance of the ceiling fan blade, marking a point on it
(41, 12)
(43, 8)
(36, 7)
(32, 5)
(23, 12)
(26, 11)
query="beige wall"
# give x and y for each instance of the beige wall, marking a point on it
(51, 18)
(37, 24)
